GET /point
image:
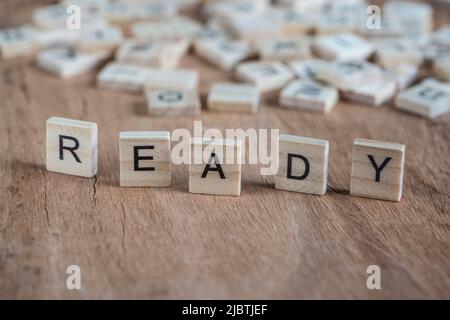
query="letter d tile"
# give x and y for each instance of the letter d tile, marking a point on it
(303, 165)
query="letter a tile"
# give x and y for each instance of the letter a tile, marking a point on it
(303, 165)
(215, 167)
(71, 146)
(377, 169)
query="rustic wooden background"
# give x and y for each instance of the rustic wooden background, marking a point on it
(167, 243)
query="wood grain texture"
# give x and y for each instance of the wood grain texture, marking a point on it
(168, 243)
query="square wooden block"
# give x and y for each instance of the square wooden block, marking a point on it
(144, 159)
(181, 79)
(430, 99)
(57, 38)
(309, 6)
(373, 93)
(18, 42)
(100, 38)
(223, 53)
(148, 53)
(303, 165)
(442, 68)
(71, 146)
(292, 23)
(442, 36)
(347, 75)
(215, 167)
(305, 69)
(266, 76)
(157, 54)
(68, 63)
(227, 9)
(213, 31)
(56, 16)
(173, 102)
(234, 97)
(172, 28)
(252, 28)
(345, 46)
(309, 95)
(403, 75)
(377, 169)
(335, 23)
(125, 77)
(414, 17)
(123, 12)
(285, 49)
(394, 52)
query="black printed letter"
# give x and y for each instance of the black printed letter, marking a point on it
(218, 167)
(137, 157)
(70, 149)
(289, 166)
(378, 169)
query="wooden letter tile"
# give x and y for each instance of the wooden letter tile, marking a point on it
(305, 69)
(430, 99)
(373, 93)
(343, 46)
(309, 95)
(68, 63)
(172, 102)
(285, 49)
(56, 16)
(142, 53)
(100, 38)
(224, 54)
(394, 52)
(303, 165)
(182, 79)
(172, 28)
(442, 68)
(292, 23)
(144, 159)
(57, 38)
(233, 97)
(162, 54)
(215, 167)
(404, 75)
(126, 77)
(377, 169)
(267, 76)
(347, 75)
(53, 16)
(17, 42)
(253, 28)
(335, 23)
(71, 146)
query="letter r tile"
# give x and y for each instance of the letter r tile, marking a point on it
(303, 165)
(377, 169)
(71, 146)
(145, 159)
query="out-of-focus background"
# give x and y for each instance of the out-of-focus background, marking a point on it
(266, 244)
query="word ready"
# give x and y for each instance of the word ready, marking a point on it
(215, 166)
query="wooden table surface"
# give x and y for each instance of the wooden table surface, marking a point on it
(167, 243)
